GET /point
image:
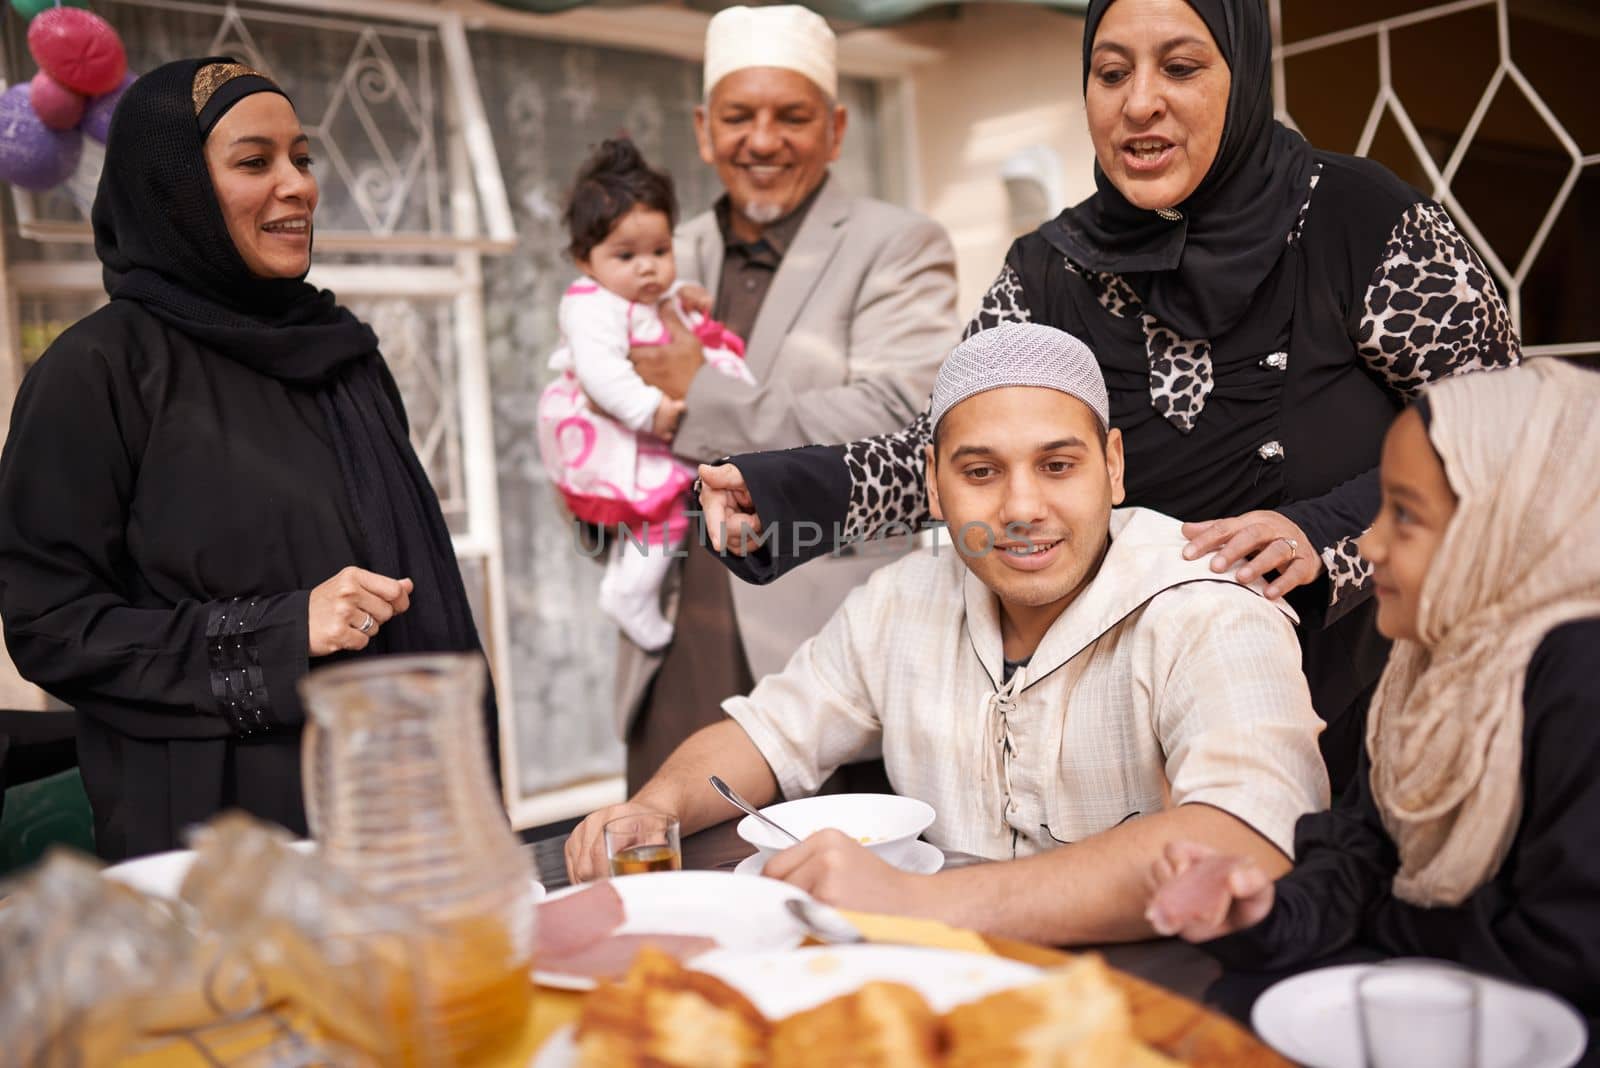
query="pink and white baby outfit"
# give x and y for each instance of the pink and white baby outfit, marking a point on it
(603, 459)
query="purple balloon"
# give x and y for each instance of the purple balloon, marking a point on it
(32, 155)
(97, 116)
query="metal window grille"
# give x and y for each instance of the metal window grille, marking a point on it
(1511, 273)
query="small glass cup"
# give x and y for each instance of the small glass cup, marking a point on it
(1412, 1016)
(644, 842)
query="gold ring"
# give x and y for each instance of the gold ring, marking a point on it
(1294, 547)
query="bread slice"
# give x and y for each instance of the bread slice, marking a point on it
(1073, 1018)
(881, 1025)
(664, 1016)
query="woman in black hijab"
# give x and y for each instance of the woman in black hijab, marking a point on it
(1261, 310)
(208, 484)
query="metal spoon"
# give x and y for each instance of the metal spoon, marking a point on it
(740, 803)
(825, 924)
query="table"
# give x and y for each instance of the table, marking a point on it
(1151, 970)
(1170, 963)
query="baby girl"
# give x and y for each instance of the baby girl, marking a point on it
(603, 431)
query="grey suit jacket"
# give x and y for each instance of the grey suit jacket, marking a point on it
(858, 319)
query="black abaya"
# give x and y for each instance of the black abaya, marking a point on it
(151, 493)
(184, 466)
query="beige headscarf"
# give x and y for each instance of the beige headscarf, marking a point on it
(1521, 556)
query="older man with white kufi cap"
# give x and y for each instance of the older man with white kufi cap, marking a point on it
(1060, 676)
(846, 305)
(786, 37)
(776, 123)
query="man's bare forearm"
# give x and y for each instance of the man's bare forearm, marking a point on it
(682, 786)
(1091, 891)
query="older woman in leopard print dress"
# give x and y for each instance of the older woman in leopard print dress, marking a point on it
(1261, 311)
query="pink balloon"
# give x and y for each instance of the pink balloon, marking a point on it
(57, 106)
(97, 116)
(32, 155)
(79, 49)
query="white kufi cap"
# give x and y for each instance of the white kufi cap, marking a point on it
(1020, 354)
(787, 36)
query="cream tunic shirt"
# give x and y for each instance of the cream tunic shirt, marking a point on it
(1162, 684)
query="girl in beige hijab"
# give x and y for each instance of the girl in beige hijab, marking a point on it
(1471, 832)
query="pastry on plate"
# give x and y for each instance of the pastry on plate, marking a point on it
(881, 1025)
(665, 1016)
(1075, 1017)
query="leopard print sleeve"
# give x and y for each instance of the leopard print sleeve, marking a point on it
(1349, 577)
(1432, 309)
(1003, 303)
(887, 478)
(888, 487)
(1334, 522)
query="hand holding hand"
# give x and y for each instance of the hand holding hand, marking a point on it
(838, 870)
(670, 367)
(1202, 894)
(730, 514)
(347, 611)
(1270, 539)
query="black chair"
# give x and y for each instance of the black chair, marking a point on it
(42, 802)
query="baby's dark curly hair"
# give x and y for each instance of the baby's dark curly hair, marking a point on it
(613, 181)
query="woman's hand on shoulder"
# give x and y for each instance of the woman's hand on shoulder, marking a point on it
(1201, 894)
(1265, 540)
(348, 610)
(730, 513)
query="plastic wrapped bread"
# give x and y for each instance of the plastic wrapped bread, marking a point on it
(76, 950)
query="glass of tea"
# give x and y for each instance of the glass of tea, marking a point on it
(644, 842)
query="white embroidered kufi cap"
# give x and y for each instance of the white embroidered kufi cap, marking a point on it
(1020, 354)
(787, 36)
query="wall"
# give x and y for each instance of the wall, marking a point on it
(1007, 79)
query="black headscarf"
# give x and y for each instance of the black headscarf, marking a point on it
(164, 244)
(1199, 273)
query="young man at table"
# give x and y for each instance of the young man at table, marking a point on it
(1065, 689)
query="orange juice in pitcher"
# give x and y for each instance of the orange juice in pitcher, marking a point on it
(398, 794)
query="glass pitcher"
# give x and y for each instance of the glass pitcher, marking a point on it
(398, 793)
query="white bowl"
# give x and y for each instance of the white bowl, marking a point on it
(885, 823)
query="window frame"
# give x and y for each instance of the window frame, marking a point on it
(481, 223)
(1510, 277)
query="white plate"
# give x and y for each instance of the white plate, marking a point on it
(1311, 1018)
(560, 1050)
(161, 874)
(783, 983)
(919, 858)
(740, 911)
(156, 875)
(885, 821)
